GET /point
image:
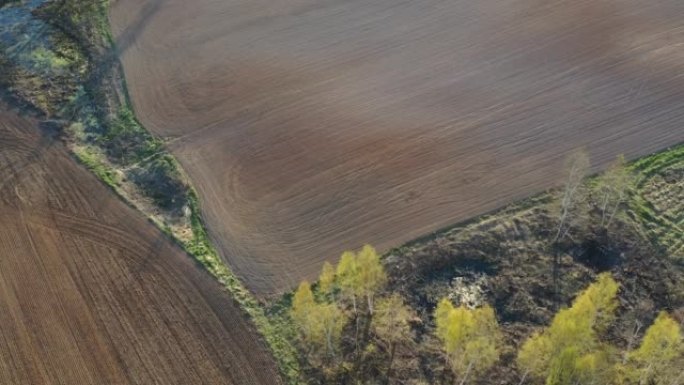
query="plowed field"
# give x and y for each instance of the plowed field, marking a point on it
(91, 293)
(313, 126)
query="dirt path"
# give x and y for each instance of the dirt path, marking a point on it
(92, 293)
(310, 127)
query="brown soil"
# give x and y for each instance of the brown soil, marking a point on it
(92, 293)
(311, 127)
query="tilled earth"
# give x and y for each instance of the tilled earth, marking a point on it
(92, 293)
(311, 127)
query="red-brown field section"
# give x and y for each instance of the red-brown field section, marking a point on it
(314, 126)
(92, 293)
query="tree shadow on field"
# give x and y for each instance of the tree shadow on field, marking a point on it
(129, 35)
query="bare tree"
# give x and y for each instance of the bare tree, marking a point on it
(612, 189)
(572, 197)
(570, 207)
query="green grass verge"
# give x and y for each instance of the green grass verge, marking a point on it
(662, 226)
(96, 164)
(273, 328)
(652, 164)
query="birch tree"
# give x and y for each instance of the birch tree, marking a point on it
(612, 189)
(569, 348)
(391, 325)
(300, 312)
(655, 361)
(372, 275)
(348, 277)
(320, 324)
(572, 197)
(327, 279)
(330, 320)
(470, 338)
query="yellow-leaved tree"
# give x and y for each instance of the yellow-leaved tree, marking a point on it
(302, 303)
(660, 357)
(360, 275)
(372, 275)
(320, 324)
(326, 280)
(568, 351)
(470, 338)
(330, 320)
(348, 277)
(390, 325)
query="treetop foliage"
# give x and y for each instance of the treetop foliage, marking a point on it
(391, 320)
(326, 279)
(661, 350)
(598, 302)
(371, 273)
(470, 337)
(320, 324)
(570, 344)
(348, 274)
(360, 274)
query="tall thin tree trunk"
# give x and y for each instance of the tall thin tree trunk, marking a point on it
(465, 376)
(630, 343)
(556, 278)
(356, 326)
(369, 298)
(446, 369)
(615, 209)
(391, 360)
(604, 208)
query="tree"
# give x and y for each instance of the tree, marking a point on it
(562, 367)
(371, 274)
(326, 279)
(662, 346)
(348, 277)
(320, 324)
(470, 338)
(595, 368)
(350, 287)
(597, 303)
(534, 355)
(570, 367)
(577, 167)
(391, 324)
(569, 347)
(571, 208)
(361, 274)
(329, 319)
(302, 303)
(612, 189)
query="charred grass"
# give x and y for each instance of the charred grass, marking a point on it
(509, 254)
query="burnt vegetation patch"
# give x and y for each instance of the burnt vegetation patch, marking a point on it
(527, 276)
(540, 266)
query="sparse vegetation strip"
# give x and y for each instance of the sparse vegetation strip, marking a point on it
(72, 78)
